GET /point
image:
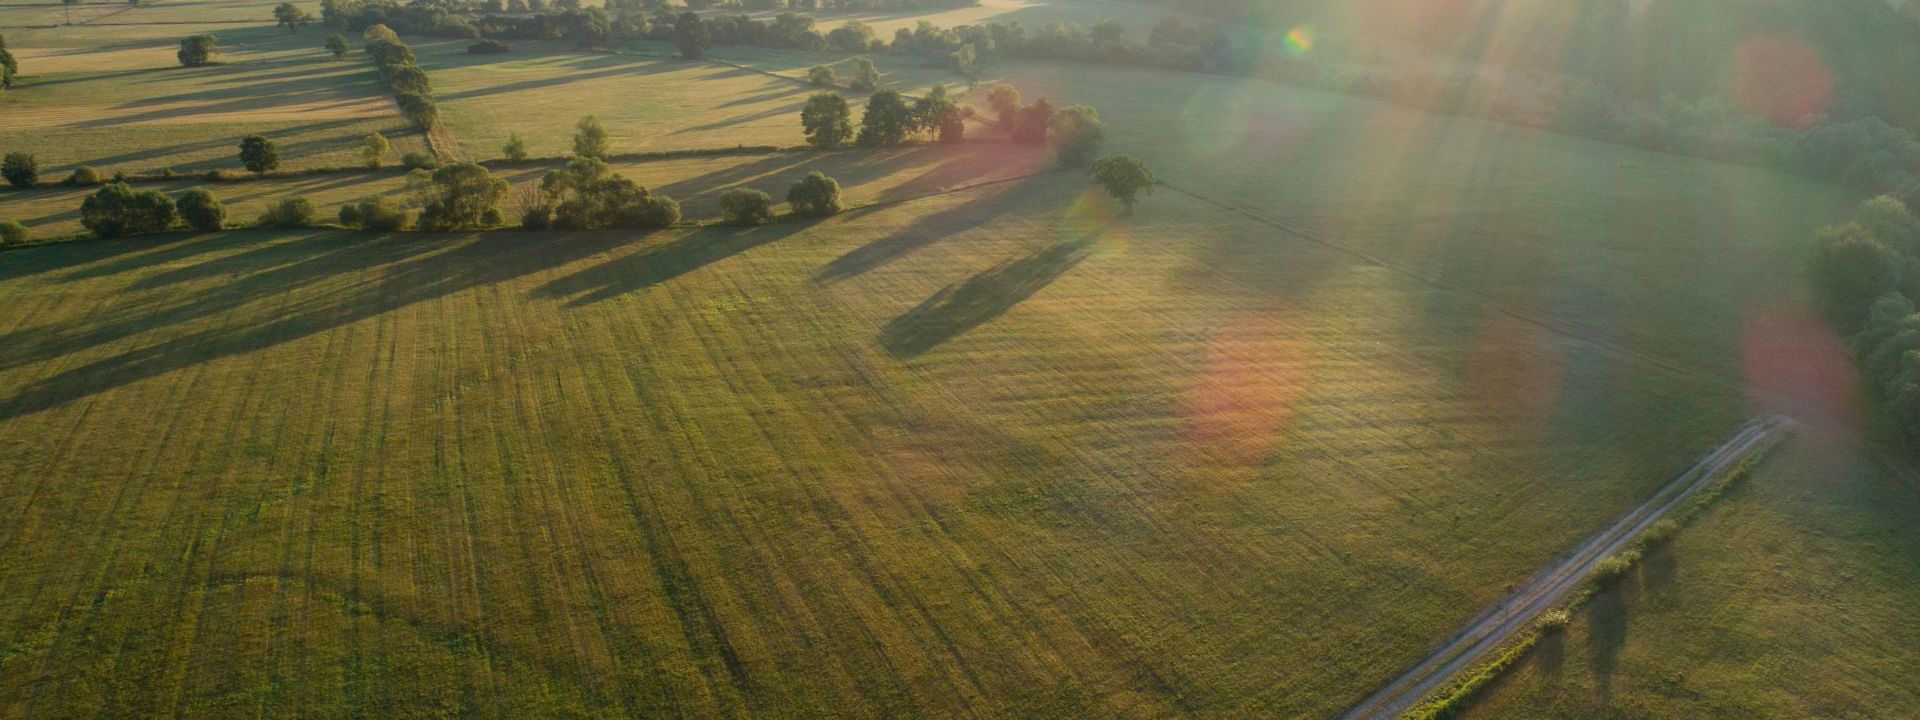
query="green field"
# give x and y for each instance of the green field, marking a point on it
(982, 445)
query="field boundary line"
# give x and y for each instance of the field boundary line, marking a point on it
(1494, 626)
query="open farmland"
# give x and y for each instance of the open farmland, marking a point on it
(981, 445)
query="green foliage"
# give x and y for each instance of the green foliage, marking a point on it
(289, 212)
(591, 139)
(1034, 121)
(409, 79)
(886, 120)
(197, 51)
(1123, 177)
(489, 47)
(826, 120)
(866, 77)
(1851, 268)
(1615, 568)
(463, 196)
(691, 36)
(815, 195)
(291, 17)
(22, 170)
(852, 37)
(515, 149)
(373, 149)
(9, 67)
(202, 211)
(964, 61)
(418, 160)
(936, 113)
(821, 76)
(259, 155)
(746, 206)
(115, 210)
(12, 233)
(1077, 135)
(418, 108)
(374, 212)
(1004, 99)
(337, 45)
(589, 196)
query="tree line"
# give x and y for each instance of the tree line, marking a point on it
(1865, 272)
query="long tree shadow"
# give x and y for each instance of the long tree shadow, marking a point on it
(1607, 630)
(993, 203)
(968, 304)
(663, 262)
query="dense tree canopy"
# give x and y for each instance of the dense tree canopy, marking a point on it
(22, 170)
(197, 50)
(1122, 177)
(887, 120)
(116, 210)
(259, 155)
(815, 195)
(826, 120)
(463, 196)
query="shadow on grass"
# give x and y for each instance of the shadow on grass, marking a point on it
(1607, 618)
(968, 304)
(663, 262)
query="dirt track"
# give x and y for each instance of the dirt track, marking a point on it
(1545, 589)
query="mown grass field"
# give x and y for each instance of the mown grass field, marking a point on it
(998, 450)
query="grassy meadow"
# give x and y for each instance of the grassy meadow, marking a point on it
(982, 445)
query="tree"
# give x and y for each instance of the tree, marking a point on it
(463, 195)
(852, 37)
(83, 176)
(590, 196)
(9, 68)
(935, 113)
(1889, 220)
(815, 195)
(202, 211)
(591, 139)
(289, 212)
(691, 35)
(197, 50)
(1004, 99)
(827, 120)
(1033, 123)
(821, 76)
(373, 149)
(291, 17)
(1851, 268)
(12, 233)
(22, 170)
(746, 206)
(964, 61)
(418, 108)
(866, 77)
(409, 79)
(1077, 135)
(337, 45)
(116, 210)
(886, 120)
(1122, 177)
(374, 212)
(259, 154)
(515, 149)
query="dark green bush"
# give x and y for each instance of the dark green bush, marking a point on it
(202, 211)
(289, 212)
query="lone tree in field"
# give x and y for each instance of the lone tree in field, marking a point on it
(815, 195)
(259, 154)
(827, 121)
(12, 233)
(691, 35)
(202, 211)
(866, 77)
(886, 120)
(337, 45)
(463, 196)
(1077, 135)
(373, 149)
(591, 140)
(515, 149)
(1122, 177)
(819, 76)
(115, 210)
(291, 17)
(197, 50)
(1004, 99)
(8, 66)
(22, 170)
(746, 206)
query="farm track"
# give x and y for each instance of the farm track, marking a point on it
(1494, 626)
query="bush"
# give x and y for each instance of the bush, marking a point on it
(489, 47)
(418, 108)
(866, 77)
(20, 169)
(418, 160)
(202, 211)
(196, 51)
(815, 195)
(259, 154)
(515, 149)
(1615, 567)
(12, 233)
(462, 196)
(289, 212)
(83, 176)
(1553, 621)
(1077, 135)
(116, 210)
(746, 206)
(822, 76)
(373, 149)
(826, 120)
(374, 212)
(1851, 268)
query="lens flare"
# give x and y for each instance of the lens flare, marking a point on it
(1782, 79)
(1299, 40)
(1096, 215)
(1256, 370)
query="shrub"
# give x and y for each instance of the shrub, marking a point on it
(373, 149)
(822, 76)
(12, 233)
(418, 108)
(418, 160)
(337, 45)
(202, 211)
(374, 212)
(1851, 268)
(866, 77)
(746, 206)
(1033, 122)
(83, 176)
(815, 195)
(20, 169)
(196, 51)
(259, 154)
(1553, 621)
(116, 210)
(1615, 567)
(886, 120)
(1077, 135)
(591, 138)
(289, 212)
(1659, 533)
(489, 47)
(462, 196)
(516, 148)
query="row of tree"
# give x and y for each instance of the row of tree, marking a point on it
(9, 68)
(411, 88)
(1866, 272)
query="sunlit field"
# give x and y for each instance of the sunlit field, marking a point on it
(986, 443)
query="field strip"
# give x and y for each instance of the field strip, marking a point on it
(1489, 630)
